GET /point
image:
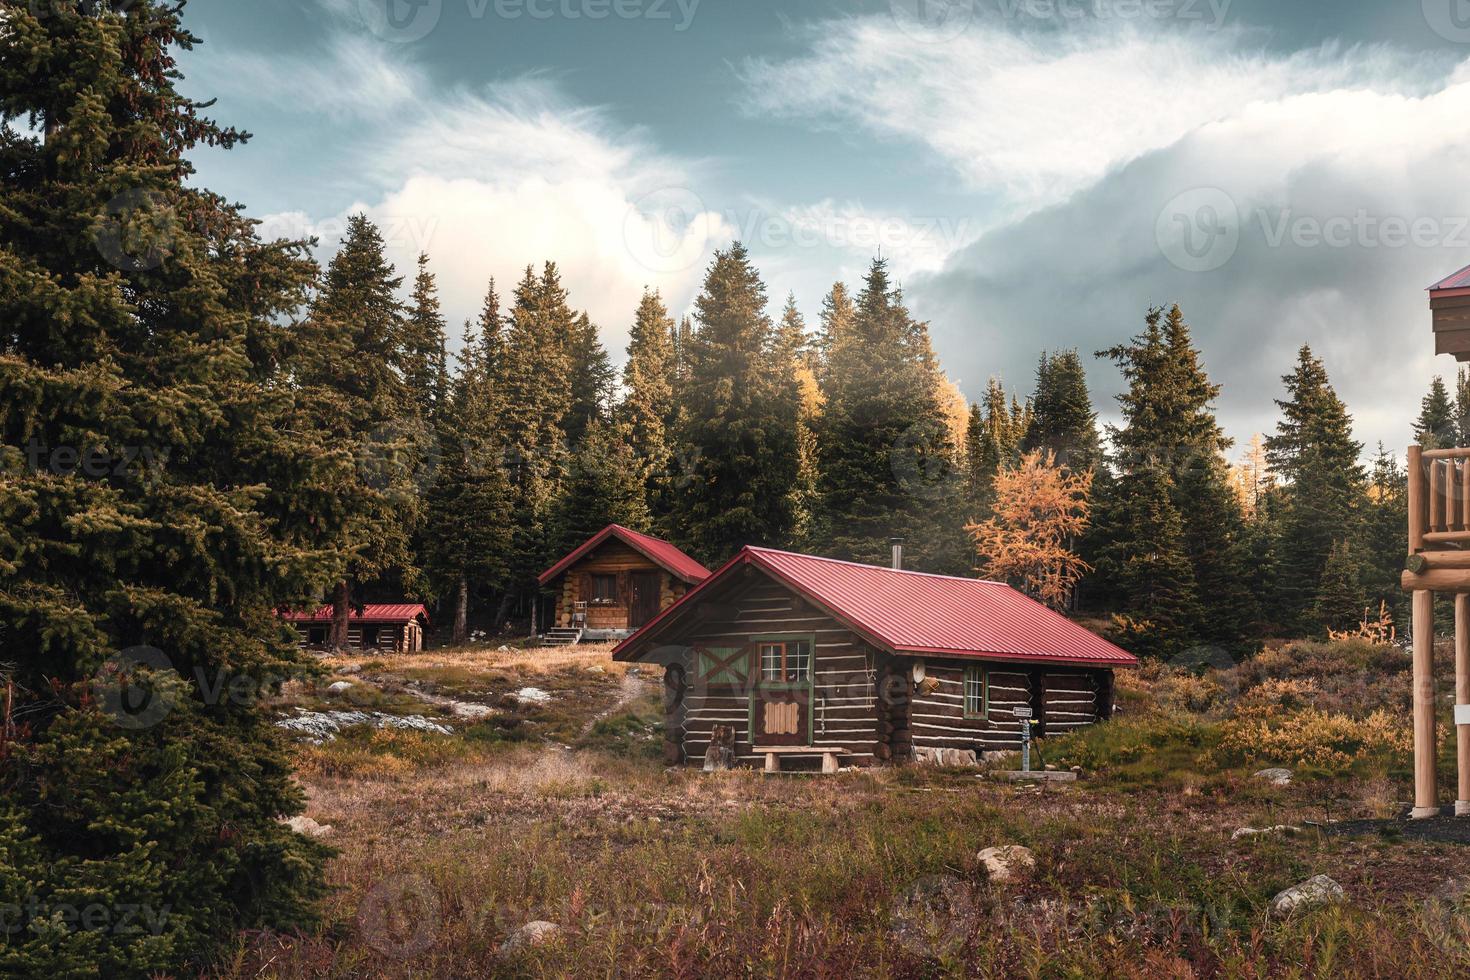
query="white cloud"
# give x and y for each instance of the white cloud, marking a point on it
(487, 183)
(1040, 114)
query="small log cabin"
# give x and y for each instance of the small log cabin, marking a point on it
(813, 656)
(615, 582)
(397, 627)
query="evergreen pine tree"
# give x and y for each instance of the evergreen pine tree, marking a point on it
(1323, 486)
(837, 316)
(1386, 535)
(1063, 420)
(737, 427)
(1436, 426)
(424, 361)
(602, 487)
(1148, 559)
(1340, 603)
(1170, 430)
(995, 436)
(885, 450)
(161, 500)
(795, 358)
(591, 380)
(647, 410)
(351, 371)
(469, 503)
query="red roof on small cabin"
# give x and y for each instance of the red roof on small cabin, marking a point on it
(1459, 280)
(916, 614)
(382, 612)
(656, 550)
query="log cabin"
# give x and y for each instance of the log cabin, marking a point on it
(815, 658)
(613, 583)
(397, 627)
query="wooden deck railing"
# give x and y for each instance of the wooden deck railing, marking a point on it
(1439, 500)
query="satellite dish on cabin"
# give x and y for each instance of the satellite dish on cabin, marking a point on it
(918, 672)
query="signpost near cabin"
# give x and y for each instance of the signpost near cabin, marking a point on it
(1023, 715)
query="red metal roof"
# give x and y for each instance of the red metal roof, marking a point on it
(914, 613)
(382, 612)
(656, 550)
(1459, 280)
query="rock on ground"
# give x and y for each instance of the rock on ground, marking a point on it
(537, 933)
(1275, 776)
(953, 758)
(1316, 890)
(323, 726)
(339, 687)
(1008, 863)
(1281, 828)
(532, 695)
(309, 827)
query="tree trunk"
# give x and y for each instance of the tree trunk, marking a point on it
(462, 613)
(503, 610)
(341, 610)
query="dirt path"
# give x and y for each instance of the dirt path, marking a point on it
(628, 688)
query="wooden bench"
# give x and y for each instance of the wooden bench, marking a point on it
(773, 754)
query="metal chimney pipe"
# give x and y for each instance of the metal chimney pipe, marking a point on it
(897, 553)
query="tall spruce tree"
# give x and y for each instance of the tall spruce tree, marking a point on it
(352, 369)
(161, 499)
(796, 358)
(1063, 420)
(1386, 535)
(647, 410)
(469, 504)
(994, 439)
(533, 373)
(425, 370)
(601, 487)
(591, 376)
(1323, 486)
(1436, 426)
(737, 427)
(885, 453)
(1170, 427)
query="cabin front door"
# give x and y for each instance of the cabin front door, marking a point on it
(781, 704)
(643, 604)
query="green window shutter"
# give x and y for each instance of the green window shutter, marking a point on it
(723, 665)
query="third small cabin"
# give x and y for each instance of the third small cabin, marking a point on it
(614, 583)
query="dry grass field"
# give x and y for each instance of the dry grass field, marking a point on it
(557, 808)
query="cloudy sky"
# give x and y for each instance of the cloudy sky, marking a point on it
(1038, 172)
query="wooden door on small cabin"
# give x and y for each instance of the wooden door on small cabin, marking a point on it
(643, 603)
(781, 706)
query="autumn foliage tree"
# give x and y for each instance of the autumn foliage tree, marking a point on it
(1040, 509)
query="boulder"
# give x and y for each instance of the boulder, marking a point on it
(1275, 776)
(1316, 890)
(309, 827)
(1009, 863)
(532, 695)
(537, 933)
(339, 687)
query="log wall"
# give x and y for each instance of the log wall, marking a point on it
(844, 705)
(613, 557)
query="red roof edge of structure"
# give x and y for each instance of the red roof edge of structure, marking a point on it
(740, 558)
(756, 556)
(372, 612)
(656, 550)
(1455, 280)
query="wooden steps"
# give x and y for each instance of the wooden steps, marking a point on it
(561, 636)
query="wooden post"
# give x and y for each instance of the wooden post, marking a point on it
(1425, 795)
(1416, 499)
(1462, 696)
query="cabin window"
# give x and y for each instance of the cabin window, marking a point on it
(977, 692)
(787, 661)
(317, 635)
(604, 588)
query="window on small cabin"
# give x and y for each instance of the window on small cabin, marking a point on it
(977, 692)
(604, 588)
(787, 661)
(369, 636)
(317, 635)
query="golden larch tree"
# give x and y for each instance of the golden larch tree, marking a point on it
(1040, 509)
